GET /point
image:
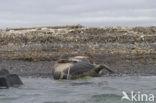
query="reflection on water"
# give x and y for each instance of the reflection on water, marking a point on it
(95, 90)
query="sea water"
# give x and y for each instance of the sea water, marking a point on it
(93, 90)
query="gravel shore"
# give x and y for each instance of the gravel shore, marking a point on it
(118, 63)
(33, 51)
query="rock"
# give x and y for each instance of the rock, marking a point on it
(77, 67)
(9, 80)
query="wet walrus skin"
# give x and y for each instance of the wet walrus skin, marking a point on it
(75, 68)
(8, 80)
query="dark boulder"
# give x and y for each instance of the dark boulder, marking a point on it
(9, 80)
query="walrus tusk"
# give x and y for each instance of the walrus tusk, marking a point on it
(68, 73)
(62, 75)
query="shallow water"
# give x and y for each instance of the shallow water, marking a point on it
(95, 90)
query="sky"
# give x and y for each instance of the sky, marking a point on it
(91, 13)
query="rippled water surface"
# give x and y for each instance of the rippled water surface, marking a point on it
(95, 90)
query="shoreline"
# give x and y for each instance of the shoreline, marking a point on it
(33, 51)
(118, 63)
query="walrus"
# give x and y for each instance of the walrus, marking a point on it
(77, 67)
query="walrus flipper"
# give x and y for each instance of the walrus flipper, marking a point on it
(100, 67)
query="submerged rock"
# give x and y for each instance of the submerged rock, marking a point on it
(77, 67)
(9, 80)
